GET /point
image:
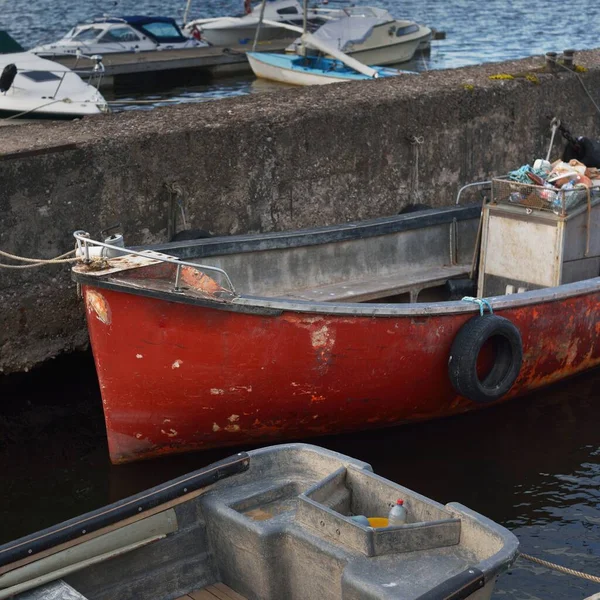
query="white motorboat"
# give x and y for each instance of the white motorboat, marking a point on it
(34, 88)
(106, 35)
(372, 36)
(231, 31)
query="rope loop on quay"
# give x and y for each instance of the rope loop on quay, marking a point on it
(560, 568)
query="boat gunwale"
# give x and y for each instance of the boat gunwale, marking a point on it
(339, 232)
(275, 306)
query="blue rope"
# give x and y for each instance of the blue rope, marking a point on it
(520, 175)
(481, 302)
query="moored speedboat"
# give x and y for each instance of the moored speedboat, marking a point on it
(232, 31)
(106, 35)
(340, 328)
(292, 521)
(372, 36)
(33, 88)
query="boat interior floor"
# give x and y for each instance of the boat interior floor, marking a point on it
(411, 283)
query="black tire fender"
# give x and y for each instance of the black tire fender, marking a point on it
(190, 234)
(462, 364)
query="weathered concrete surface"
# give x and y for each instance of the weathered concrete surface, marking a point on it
(295, 158)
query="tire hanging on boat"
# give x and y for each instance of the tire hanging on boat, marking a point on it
(465, 351)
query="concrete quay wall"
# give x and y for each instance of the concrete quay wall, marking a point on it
(264, 162)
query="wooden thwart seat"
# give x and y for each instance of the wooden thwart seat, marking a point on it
(216, 591)
(363, 290)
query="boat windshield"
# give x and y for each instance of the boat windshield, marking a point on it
(40, 76)
(407, 30)
(87, 34)
(120, 34)
(367, 11)
(163, 32)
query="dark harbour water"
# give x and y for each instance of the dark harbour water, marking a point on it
(531, 464)
(477, 32)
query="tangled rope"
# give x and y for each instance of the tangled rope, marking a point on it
(556, 567)
(37, 262)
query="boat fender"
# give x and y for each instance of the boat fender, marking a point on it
(465, 351)
(8, 76)
(411, 208)
(190, 234)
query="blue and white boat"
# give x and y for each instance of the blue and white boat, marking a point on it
(313, 62)
(310, 70)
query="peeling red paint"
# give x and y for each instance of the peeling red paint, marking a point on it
(274, 373)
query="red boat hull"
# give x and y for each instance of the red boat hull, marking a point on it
(177, 377)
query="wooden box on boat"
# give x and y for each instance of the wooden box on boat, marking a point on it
(531, 247)
(274, 523)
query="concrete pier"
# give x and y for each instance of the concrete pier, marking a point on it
(265, 162)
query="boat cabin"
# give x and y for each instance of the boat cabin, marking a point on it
(120, 34)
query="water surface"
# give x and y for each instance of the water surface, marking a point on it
(476, 32)
(531, 464)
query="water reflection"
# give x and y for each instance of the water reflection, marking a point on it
(531, 465)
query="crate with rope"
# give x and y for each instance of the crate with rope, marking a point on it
(559, 187)
(542, 226)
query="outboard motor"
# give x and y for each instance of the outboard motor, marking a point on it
(8, 76)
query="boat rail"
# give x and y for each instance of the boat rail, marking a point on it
(470, 185)
(84, 241)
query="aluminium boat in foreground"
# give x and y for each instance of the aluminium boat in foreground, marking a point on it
(345, 327)
(292, 521)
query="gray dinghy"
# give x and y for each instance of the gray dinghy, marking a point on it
(274, 524)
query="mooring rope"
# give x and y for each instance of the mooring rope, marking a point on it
(26, 112)
(37, 262)
(560, 568)
(416, 141)
(555, 61)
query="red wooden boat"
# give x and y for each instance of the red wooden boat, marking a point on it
(339, 328)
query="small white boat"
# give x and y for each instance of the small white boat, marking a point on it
(372, 36)
(289, 522)
(309, 70)
(231, 31)
(107, 35)
(34, 88)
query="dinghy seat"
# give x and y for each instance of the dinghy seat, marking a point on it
(411, 283)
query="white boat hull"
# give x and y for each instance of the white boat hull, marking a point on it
(387, 55)
(239, 35)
